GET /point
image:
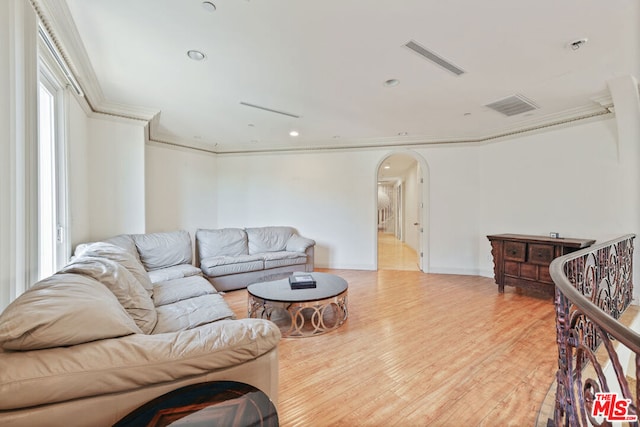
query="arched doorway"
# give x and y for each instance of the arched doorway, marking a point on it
(401, 228)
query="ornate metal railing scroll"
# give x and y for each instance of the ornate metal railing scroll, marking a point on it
(593, 288)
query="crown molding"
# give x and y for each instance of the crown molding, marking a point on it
(542, 124)
(58, 22)
(555, 121)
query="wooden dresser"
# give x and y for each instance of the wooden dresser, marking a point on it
(523, 261)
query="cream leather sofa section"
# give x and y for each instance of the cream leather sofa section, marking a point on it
(233, 258)
(96, 340)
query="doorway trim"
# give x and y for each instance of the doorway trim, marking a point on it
(424, 261)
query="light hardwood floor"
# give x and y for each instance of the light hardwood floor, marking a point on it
(395, 255)
(419, 350)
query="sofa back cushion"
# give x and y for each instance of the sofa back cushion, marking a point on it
(268, 239)
(130, 293)
(61, 310)
(160, 250)
(124, 241)
(223, 242)
(122, 257)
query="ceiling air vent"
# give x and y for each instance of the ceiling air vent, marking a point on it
(512, 105)
(271, 110)
(431, 56)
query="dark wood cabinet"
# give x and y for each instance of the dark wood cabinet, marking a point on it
(523, 261)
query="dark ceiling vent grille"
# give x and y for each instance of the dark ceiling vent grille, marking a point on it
(512, 105)
(431, 56)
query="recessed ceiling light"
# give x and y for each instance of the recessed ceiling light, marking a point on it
(391, 82)
(387, 167)
(294, 133)
(209, 6)
(196, 55)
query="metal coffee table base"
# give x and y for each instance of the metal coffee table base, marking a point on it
(302, 319)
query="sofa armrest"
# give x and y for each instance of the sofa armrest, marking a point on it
(129, 363)
(299, 244)
(310, 264)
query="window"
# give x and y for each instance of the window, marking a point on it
(52, 253)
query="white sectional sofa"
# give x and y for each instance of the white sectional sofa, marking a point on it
(126, 321)
(232, 258)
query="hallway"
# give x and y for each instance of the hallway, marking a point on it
(395, 255)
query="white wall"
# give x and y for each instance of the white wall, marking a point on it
(452, 180)
(78, 169)
(116, 177)
(328, 196)
(566, 181)
(411, 202)
(181, 188)
(533, 184)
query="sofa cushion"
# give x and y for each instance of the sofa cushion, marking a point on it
(130, 293)
(298, 243)
(125, 241)
(178, 289)
(268, 239)
(130, 363)
(161, 250)
(223, 265)
(282, 258)
(122, 257)
(222, 242)
(173, 272)
(61, 310)
(192, 312)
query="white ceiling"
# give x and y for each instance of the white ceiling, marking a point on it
(326, 62)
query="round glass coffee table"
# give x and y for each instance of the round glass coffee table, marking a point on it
(301, 312)
(217, 403)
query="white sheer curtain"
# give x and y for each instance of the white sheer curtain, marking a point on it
(18, 118)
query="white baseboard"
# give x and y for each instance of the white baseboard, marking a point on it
(368, 267)
(461, 271)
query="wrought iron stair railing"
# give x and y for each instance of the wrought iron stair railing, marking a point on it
(594, 287)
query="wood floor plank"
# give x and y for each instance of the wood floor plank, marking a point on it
(420, 349)
(394, 254)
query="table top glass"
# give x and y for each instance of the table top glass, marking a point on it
(217, 403)
(327, 286)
